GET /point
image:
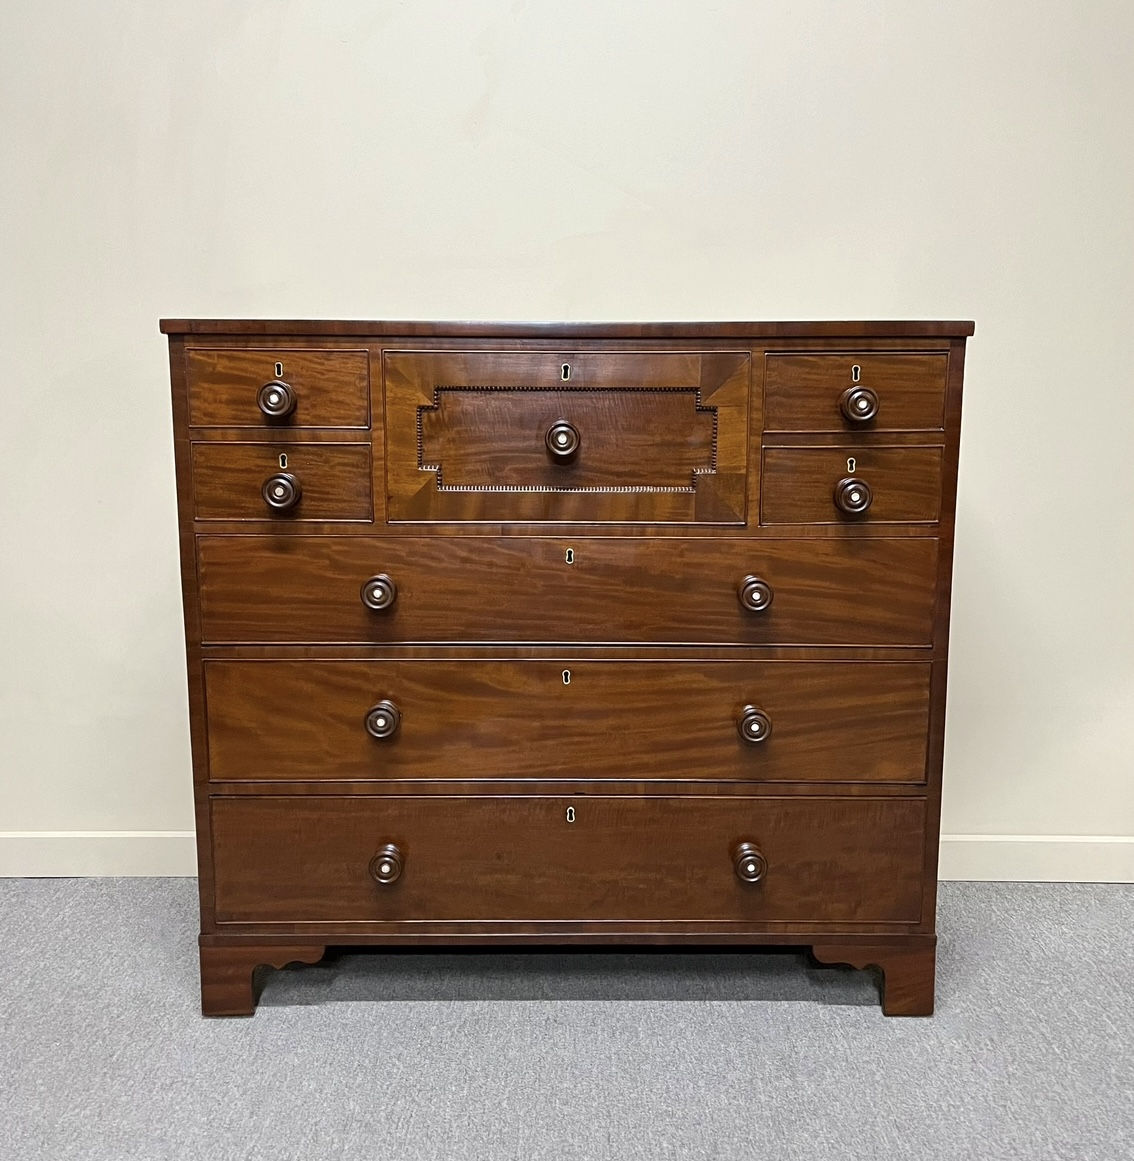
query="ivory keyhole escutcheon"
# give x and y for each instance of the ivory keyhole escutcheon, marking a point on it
(279, 370)
(569, 556)
(852, 463)
(855, 373)
(565, 372)
(566, 677)
(283, 459)
(570, 814)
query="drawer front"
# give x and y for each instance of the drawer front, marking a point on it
(806, 392)
(812, 721)
(233, 481)
(592, 436)
(800, 485)
(328, 388)
(307, 859)
(471, 589)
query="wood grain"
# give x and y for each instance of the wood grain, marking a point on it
(491, 438)
(306, 589)
(294, 860)
(228, 477)
(908, 971)
(831, 722)
(228, 973)
(332, 387)
(872, 329)
(802, 391)
(798, 484)
(664, 436)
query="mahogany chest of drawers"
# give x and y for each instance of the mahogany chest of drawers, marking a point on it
(580, 633)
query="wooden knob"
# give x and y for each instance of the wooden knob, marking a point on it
(853, 496)
(276, 399)
(755, 594)
(859, 404)
(387, 865)
(281, 491)
(379, 592)
(749, 864)
(754, 724)
(562, 441)
(383, 719)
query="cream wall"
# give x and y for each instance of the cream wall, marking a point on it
(598, 160)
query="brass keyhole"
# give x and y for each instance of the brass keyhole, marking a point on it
(565, 372)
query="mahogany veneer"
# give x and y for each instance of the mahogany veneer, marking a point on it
(566, 633)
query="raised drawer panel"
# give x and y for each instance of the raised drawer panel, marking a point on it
(331, 388)
(591, 436)
(803, 392)
(307, 859)
(865, 591)
(799, 484)
(333, 481)
(830, 721)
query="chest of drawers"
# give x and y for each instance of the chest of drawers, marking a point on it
(581, 633)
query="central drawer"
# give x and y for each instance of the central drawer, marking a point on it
(863, 591)
(569, 858)
(605, 436)
(773, 721)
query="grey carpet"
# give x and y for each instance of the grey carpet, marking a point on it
(483, 1056)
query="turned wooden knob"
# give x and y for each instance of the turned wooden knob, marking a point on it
(859, 404)
(562, 441)
(853, 496)
(749, 864)
(379, 592)
(754, 725)
(383, 719)
(387, 865)
(276, 399)
(281, 491)
(755, 594)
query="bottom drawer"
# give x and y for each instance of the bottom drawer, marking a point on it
(308, 859)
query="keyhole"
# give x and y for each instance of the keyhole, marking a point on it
(855, 373)
(570, 814)
(569, 556)
(279, 370)
(565, 372)
(566, 677)
(852, 463)
(283, 459)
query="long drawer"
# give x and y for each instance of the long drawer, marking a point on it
(783, 721)
(552, 589)
(319, 859)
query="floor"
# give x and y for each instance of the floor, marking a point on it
(401, 1057)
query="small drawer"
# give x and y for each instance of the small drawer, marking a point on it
(856, 391)
(282, 482)
(590, 436)
(406, 860)
(845, 485)
(766, 721)
(671, 590)
(278, 388)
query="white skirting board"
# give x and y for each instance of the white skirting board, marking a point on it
(987, 857)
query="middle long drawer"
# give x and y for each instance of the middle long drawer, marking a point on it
(762, 721)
